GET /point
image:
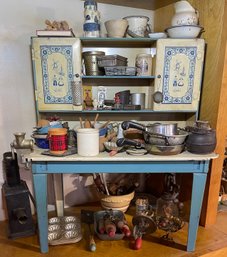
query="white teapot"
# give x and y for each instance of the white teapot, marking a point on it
(185, 14)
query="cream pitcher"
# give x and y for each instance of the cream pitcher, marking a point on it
(185, 14)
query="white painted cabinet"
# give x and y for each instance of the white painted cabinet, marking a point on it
(178, 72)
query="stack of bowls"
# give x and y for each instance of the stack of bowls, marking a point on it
(41, 134)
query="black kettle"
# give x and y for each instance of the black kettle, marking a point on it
(201, 141)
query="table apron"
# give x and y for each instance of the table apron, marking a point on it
(121, 167)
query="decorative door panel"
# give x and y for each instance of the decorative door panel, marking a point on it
(179, 66)
(56, 61)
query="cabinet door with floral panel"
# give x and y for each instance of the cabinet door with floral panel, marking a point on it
(56, 63)
(179, 66)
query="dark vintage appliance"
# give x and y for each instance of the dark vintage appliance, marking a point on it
(17, 201)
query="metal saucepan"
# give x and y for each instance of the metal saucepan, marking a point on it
(159, 134)
(157, 128)
(156, 139)
(152, 149)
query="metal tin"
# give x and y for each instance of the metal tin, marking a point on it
(64, 230)
(91, 63)
(112, 60)
(138, 99)
(100, 215)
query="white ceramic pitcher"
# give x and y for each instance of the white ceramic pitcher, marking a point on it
(185, 14)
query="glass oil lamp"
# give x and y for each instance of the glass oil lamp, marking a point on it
(168, 210)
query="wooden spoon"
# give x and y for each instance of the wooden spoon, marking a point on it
(87, 123)
(81, 122)
(96, 118)
(105, 124)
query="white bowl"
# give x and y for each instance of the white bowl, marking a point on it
(157, 35)
(116, 28)
(184, 31)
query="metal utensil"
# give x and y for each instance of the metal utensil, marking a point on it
(152, 149)
(158, 128)
(87, 217)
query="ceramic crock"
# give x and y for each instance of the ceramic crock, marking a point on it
(137, 24)
(185, 14)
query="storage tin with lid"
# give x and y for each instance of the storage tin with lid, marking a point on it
(91, 63)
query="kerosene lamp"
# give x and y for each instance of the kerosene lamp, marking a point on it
(168, 208)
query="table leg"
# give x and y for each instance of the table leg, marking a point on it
(198, 186)
(59, 194)
(40, 189)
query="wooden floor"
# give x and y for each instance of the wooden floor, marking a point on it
(211, 242)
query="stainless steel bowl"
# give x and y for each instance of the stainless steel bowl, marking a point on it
(70, 226)
(165, 149)
(54, 227)
(54, 220)
(70, 219)
(156, 139)
(54, 236)
(71, 234)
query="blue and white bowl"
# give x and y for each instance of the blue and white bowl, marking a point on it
(41, 141)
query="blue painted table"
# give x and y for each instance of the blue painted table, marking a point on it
(185, 162)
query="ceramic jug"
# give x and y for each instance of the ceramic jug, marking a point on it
(185, 14)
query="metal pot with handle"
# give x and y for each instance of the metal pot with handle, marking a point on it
(159, 134)
(152, 149)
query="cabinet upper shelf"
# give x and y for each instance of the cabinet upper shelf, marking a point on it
(142, 4)
(117, 42)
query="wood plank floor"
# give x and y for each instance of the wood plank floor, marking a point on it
(211, 242)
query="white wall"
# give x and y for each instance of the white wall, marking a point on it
(18, 22)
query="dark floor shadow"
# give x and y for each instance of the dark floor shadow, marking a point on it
(169, 243)
(21, 245)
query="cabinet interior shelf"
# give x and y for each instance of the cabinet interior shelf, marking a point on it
(114, 111)
(117, 77)
(117, 42)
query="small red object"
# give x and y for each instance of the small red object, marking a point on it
(138, 243)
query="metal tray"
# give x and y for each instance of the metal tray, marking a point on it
(99, 215)
(112, 60)
(120, 71)
(64, 230)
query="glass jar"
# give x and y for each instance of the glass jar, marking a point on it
(142, 205)
(143, 64)
(167, 212)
